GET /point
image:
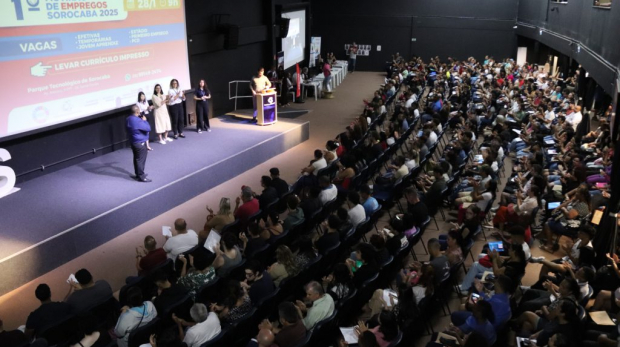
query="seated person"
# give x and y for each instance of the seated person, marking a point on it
(386, 330)
(339, 283)
(48, 313)
(356, 213)
(217, 221)
(322, 305)
(182, 240)
(86, 292)
(254, 243)
(331, 236)
(284, 266)
(227, 255)
(368, 201)
(481, 321)
(204, 326)
(150, 257)
(167, 293)
(249, 207)
(328, 192)
(258, 281)
(364, 266)
(137, 313)
(200, 273)
(295, 214)
(312, 203)
(236, 303)
(499, 300)
(304, 251)
(278, 183)
(291, 329)
(12, 338)
(269, 194)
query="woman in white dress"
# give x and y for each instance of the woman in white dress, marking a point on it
(162, 118)
(145, 109)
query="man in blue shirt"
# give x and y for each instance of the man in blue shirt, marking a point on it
(500, 302)
(138, 129)
(370, 204)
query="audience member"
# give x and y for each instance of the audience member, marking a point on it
(182, 240)
(322, 305)
(278, 183)
(205, 326)
(137, 313)
(86, 292)
(47, 314)
(258, 280)
(150, 257)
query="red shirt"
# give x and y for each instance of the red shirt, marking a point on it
(247, 209)
(327, 70)
(151, 260)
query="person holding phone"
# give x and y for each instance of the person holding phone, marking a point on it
(201, 96)
(175, 100)
(162, 118)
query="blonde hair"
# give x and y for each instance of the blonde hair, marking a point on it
(286, 258)
(224, 207)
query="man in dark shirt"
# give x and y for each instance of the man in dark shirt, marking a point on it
(432, 195)
(312, 203)
(259, 280)
(415, 207)
(254, 243)
(47, 314)
(438, 260)
(152, 257)
(269, 195)
(168, 293)
(331, 237)
(345, 225)
(292, 329)
(14, 338)
(374, 147)
(138, 129)
(279, 184)
(86, 293)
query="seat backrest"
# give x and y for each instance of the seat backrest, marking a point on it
(397, 339)
(217, 339)
(238, 271)
(230, 227)
(59, 332)
(208, 292)
(386, 262)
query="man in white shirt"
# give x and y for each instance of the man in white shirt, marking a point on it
(411, 99)
(183, 241)
(328, 191)
(357, 214)
(575, 118)
(317, 164)
(258, 83)
(205, 327)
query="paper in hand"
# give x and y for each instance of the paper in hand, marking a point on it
(349, 335)
(212, 240)
(601, 318)
(72, 279)
(166, 231)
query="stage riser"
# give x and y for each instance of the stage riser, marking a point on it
(49, 255)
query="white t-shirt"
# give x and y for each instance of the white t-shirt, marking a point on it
(203, 332)
(401, 172)
(482, 204)
(180, 243)
(526, 250)
(318, 165)
(143, 106)
(357, 215)
(574, 119)
(419, 292)
(549, 115)
(328, 194)
(411, 164)
(175, 92)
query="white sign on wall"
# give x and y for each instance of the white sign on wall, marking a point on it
(7, 175)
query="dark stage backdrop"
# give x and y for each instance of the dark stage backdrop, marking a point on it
(440, 28)
(208, 59)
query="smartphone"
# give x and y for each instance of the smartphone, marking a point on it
(475, 297)
(496, 246)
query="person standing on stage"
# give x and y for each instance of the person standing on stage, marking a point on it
(175, 99)
(145, 108)
(352, 57)
(201, 95)
(327, 73)
(138, 129)
(259, 83)
(162, 118)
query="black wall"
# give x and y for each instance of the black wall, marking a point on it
(68, 145)
(441, 28)
(566, 26)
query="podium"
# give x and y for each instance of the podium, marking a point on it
(266, 107)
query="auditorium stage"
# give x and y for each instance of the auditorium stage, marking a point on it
(59, 216)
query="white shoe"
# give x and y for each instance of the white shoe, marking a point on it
(199, 131)
(163, 142)
(209, 130)
(169, 139)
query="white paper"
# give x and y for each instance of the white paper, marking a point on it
(349, 335)
(445, 336)
(601, 318)
(72, 279)
(166, 231)
(387, 293)
(550, 142)
(528, 342)
(212, 240)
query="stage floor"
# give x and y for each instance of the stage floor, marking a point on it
(62, 215)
